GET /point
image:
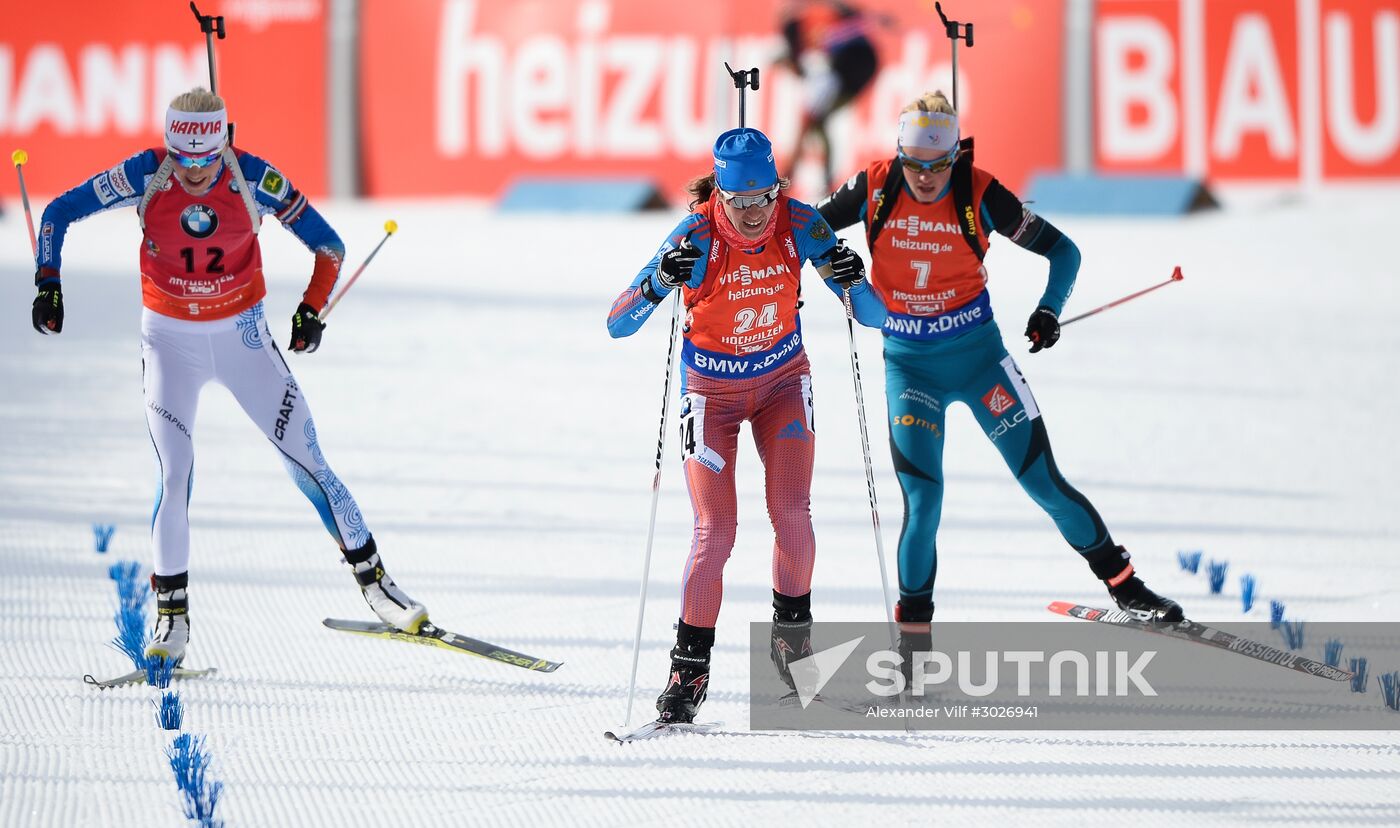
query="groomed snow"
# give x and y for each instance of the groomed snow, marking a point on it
(500, 445)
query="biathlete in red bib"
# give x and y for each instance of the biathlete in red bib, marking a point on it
(201, 203)
(928, 215)
(737, 257)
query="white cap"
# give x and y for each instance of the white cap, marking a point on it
(196, 133)
(928, 130)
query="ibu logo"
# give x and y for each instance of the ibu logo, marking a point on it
(199, 221)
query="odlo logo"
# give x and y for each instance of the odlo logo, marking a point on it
(199, 221)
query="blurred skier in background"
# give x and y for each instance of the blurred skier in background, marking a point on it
(737, 257)
(201, 203)
(829, 47)
(928, 214)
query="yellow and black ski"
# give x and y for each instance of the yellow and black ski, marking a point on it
(436, 636)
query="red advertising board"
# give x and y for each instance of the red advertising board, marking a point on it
(85, 85)
(1360, 88)
(1249, 89)
(1138, 86)
(462, 96)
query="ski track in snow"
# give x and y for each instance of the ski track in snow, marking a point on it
(500, 446)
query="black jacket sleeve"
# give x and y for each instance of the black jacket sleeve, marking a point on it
(846, 206)
(1015, 221)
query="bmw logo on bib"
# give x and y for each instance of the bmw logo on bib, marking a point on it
(199, 221)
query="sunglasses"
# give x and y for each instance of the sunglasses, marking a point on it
(937, 165)
(744, 202)
(191, 162)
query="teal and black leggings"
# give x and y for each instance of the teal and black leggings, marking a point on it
(921, 380)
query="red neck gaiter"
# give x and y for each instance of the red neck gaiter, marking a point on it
(731, 235)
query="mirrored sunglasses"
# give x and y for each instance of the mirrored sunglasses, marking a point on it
(937, 165)
(744, 202)
(190, 162)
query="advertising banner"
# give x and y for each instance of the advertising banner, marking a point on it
(80, 91)
(1249, 90)
(462, 96)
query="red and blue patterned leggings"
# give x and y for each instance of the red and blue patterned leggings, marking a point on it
(779, 408)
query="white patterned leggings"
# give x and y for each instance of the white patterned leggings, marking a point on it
(178, 358)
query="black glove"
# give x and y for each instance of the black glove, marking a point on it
(1043, 329)
(847, 269)
(676, 265)
(48, 309)
(306, 329)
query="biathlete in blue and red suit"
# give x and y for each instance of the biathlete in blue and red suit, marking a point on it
(738, 260)
(928, 215)
(201, 204)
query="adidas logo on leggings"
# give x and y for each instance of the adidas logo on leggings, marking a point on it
(793, 431)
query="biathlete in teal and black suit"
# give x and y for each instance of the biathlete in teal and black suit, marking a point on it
(928, 213)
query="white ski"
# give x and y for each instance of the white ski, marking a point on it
(792, 700)
(139, 677)
(651, 729)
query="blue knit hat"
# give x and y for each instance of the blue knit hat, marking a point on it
(744, 161)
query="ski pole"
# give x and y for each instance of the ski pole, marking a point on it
(390, 227)
(20, 158)
(825, 272)
(655, 497)
(1176, 277)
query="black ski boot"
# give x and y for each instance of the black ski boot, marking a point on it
(913, 615)
(1113, 566)
(792, 635)
(690, 675)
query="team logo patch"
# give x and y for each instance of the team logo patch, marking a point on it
(820, 232)
(102, 186)
(998, 400)
(121, 185)
(199, 221)
(273, 184)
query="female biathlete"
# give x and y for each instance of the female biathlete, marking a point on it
(928, 214)
(200, 203)
(738, 259)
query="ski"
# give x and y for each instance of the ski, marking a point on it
(139, 677)
(651, 729)
(435, 636)
(792, 700)
(1201, 634)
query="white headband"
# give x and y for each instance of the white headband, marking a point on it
(196, 133)
(928, 130)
